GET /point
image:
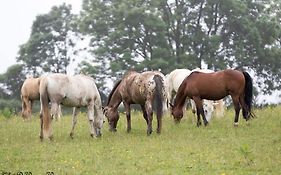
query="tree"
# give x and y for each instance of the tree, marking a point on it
(11, 82)
(51, 45)
(91, 70)
(145, 35)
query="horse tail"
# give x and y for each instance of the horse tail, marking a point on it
(159, 97)
(248, 97)
(44, 99)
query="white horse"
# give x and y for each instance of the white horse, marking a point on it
(72, 91)
(174, 80)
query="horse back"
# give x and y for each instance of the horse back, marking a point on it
(76, 90)
(214, 86)
(30, 88)
(139, 87)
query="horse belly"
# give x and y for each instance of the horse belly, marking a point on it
(74, 102)
(214, 96)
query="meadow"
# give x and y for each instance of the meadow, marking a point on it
(252, 148)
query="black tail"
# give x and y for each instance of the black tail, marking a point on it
(248, 94)
(158, 94)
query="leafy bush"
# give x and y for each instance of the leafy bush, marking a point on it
(12, 104)
(6, 112)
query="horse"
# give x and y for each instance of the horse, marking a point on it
(174, 80)
(209, 106)
(30, 93)
(215, 86)
(72, 91)
(138, 88)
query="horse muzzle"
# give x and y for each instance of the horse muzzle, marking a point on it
(111, 129)
(177, 121)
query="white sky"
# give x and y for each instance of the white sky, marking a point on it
(16, 18)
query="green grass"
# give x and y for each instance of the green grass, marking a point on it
(253, 148)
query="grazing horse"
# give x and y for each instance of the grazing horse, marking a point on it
(30, 93)
(215, 86)
(138, 88)
(73, 91)
(174, 80)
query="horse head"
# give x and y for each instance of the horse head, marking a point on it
(112, 116)
(208, 107)
(176, 113)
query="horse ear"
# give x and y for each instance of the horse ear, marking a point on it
(171, 105)
(104, 109)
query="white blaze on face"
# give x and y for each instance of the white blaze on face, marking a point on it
(208, 109)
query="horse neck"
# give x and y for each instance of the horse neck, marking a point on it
(115, 100)
(180, 97)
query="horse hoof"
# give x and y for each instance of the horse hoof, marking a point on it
(41, 138)
(128, 130)
(71, 135)
(112, 129)
(51, 138)
(206, 123)
(236, 124)
(198, 124)
(149, 132)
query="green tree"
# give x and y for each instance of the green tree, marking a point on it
(162, 34)
(51, 45)
(11, 82)
(86, 68)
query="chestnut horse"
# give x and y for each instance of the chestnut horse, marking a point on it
(30, 93)
(174, 80)
(138, 88)
(215, 86)
(73, 91)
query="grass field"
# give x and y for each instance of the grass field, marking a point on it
(253, 148)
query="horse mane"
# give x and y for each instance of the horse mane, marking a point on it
(112, 91)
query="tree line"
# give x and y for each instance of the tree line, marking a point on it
(152, 35)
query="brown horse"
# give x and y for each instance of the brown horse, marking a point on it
(30, 93)
(215, 86)
(138, 88)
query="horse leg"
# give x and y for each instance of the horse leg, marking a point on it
(128, 116)
(59, 114)
(54, 110)
(30, 108)
(237, 108)
(245, 110)
(41, 126)
(74, 121)
(200, 110)
(90, 115)
(149, 113)
(144, 113)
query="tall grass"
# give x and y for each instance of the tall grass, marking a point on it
(251, 148)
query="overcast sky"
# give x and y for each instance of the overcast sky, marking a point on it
(16, 18)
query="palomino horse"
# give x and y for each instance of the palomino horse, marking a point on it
(138, 88)
(174, 80)
(30, 93)
(72, 91)
(215, 86)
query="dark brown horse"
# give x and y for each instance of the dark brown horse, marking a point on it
(215, 86)
(138, 88)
